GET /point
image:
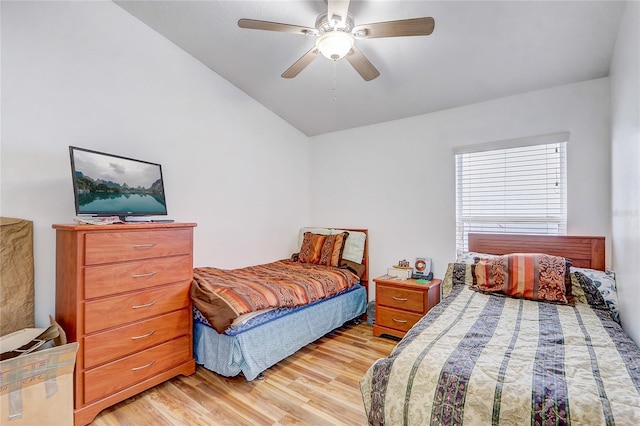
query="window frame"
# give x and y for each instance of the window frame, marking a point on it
(506, 223)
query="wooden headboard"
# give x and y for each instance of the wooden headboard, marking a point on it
(584, 252)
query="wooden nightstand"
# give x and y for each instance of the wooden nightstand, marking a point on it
(401, 303)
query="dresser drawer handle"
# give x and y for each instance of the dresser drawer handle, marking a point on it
(401, 299)
(144, 366)
(143, 336)
(400, 321)
(144, 306)
(144, 245)
(150, 274)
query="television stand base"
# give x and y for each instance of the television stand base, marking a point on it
(135, 219)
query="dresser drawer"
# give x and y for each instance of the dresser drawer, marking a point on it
(129, 307)
(117, 375)
(109, 345)
(106, 247)
(104, 280)
(401, 298)
(396, 319)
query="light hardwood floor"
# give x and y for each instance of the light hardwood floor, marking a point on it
(318, 385)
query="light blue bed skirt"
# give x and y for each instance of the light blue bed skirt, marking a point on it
(254, 350)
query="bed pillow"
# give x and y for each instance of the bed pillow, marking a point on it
(331, 253)
(354, 246)
(606, 285)
(591, 293)
(577, 291)
(457, 274)
(313, 230)
(311, 248)
(531, 276)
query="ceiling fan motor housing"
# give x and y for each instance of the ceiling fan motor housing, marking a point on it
(324, 25)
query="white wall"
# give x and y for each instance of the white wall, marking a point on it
(89, 74)
(625, 167)
(398, 178)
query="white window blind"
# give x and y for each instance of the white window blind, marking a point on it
(520, 189)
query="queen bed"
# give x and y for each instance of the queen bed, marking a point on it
(513, 342)
(246, 320)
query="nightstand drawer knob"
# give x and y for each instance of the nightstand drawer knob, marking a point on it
(400, 321)
(401, 299)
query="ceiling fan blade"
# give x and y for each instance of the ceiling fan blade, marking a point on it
(401, 28)
(254, 24)
(301, 63)
(362, 64)
(337, 8)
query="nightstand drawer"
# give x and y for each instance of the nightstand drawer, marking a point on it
(106, 247)
(401, 298)
(396, 319)
(109, 345)
(101, 314)
(105, 280)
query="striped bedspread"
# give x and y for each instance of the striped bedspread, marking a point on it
(222, 295)
(479, 359)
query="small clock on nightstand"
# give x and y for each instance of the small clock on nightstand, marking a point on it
(401, 303)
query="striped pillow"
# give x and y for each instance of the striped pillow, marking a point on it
(525, 275)
(331, 253)
(322, 249)
(311, 248)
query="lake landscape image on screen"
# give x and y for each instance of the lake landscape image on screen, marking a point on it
(107, 183)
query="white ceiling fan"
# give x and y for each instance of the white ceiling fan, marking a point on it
(336, 34)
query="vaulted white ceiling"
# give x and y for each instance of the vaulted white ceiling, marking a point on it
(479, 50)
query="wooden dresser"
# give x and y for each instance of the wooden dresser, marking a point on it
(401, 303)
(122, 293)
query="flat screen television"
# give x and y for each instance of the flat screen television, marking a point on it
(111, 185)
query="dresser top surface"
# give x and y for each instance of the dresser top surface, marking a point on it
(123, 226)
(410, 282)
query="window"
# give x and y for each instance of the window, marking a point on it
(517, 186)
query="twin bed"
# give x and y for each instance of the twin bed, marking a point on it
(553, 355)
(248, 319)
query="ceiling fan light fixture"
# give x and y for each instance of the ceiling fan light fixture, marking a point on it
(334, 44)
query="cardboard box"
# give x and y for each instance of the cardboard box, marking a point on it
(17, 294)
(37, 388)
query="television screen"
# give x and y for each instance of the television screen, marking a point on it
(111, 185)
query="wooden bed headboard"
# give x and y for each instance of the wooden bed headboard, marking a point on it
(584, 252)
